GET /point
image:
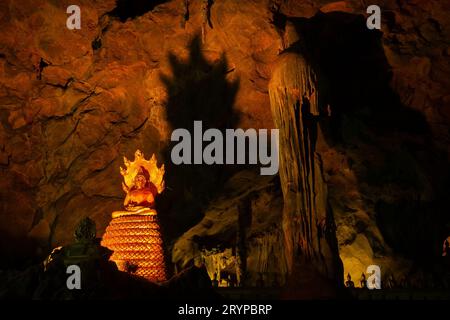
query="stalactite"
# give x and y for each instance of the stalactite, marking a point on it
(294, 100)
(216, 262)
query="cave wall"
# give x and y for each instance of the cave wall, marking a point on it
(240, 233)
(73, 102)
(67, 121)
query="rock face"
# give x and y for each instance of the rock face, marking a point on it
(72, 102)
(71, 109)
(240, 235)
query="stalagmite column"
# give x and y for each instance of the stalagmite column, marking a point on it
(307, 224)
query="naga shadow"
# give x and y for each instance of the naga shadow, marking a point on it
(197, 90)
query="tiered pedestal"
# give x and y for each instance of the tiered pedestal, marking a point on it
(137, 245)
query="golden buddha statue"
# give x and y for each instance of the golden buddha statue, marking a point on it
(143, 180)
(141, 195)
(134, 234)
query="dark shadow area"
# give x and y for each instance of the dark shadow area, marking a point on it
(415, 243)
(97, 276)
(130, 9)
(197, 90)
(354, 79)
(354, 73)
(101, 280)
(18, 252)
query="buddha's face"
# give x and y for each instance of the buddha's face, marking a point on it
(139, 182)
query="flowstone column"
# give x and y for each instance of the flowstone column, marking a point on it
(308, 225)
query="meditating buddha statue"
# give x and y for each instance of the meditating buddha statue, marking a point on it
(141, 195)
(134, 234)
(140, 198)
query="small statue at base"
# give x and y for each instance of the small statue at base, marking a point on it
(85, 252)
(349, 283)
(363, 281)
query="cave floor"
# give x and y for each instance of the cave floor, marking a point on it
(255, 293)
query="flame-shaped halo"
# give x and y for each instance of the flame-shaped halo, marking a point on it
(132, 169)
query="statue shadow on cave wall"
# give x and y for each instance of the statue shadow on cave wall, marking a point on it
(354, 79)
(198, 89)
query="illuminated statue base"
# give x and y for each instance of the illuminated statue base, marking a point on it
(135, 239)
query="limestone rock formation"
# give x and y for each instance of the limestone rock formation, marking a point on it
(308, 224)
(72, 101)
(240, 233)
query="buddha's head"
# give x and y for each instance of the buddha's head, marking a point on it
(140, 181)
